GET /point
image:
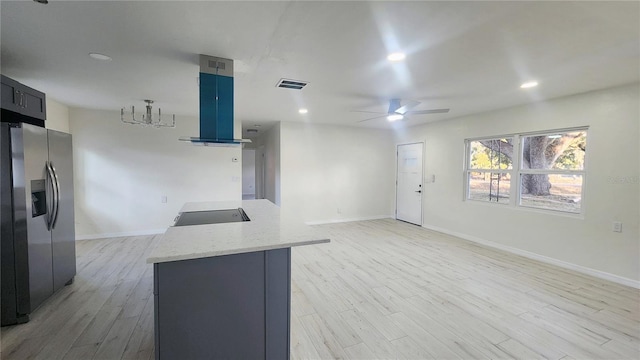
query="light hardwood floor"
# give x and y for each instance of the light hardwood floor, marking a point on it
(380, 289)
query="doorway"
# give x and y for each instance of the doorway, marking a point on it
(409, 179)
(248, 174)
(259, 172)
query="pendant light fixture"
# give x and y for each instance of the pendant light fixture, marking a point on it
(146, 119)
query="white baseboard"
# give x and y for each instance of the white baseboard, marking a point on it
(121, 234)
(335, 221)
(542, 258)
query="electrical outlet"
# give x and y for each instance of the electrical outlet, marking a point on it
(339, 211)
(163, 199)
(617, 226)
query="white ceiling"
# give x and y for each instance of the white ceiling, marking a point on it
(467, 56)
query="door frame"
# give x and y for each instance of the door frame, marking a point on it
(260, 169)
(423, 142)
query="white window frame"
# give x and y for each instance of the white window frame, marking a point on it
(468, 170)
(516, 171)
(522, 171)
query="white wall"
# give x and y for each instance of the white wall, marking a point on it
(57, 116)
(122, 170)
(326, 167)
(248, 171)
(611, 193)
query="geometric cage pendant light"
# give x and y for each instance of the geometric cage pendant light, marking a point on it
(146, 119)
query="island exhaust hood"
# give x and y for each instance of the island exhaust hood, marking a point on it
(216, 104)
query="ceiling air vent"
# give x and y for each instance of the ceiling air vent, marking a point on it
(217, 64)
(292, 84)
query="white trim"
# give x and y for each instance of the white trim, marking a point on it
(121, 234)
(334, 221)
(532, 133)
(545, 259)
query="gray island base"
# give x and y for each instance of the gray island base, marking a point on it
(235, 305)
(224, 307)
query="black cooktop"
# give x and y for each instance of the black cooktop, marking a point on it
(211, 217)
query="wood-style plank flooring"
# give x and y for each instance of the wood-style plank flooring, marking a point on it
(107, 313)
(381, 289)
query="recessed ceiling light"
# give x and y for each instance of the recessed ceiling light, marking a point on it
(529, 84)
(395, 117)
(396, 56)
(257, 125)
(100, 56)
(303, 111)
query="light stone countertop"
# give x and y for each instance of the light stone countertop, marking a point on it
(266, 231)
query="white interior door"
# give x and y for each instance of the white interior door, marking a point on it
(409, 183)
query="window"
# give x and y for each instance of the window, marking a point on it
(550, 170)
(489, 168)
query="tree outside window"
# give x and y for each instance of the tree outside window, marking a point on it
(489, 170)
(550, 172)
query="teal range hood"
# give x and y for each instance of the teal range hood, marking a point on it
(216, 104)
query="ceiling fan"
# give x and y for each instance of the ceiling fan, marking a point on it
(398, 111)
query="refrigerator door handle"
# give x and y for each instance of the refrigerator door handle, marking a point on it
(49, 185)
(56, 183)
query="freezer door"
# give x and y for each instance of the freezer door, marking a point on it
(7, 261)
(63, 237)
(32, 204)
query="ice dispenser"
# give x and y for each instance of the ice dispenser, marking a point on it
(38, 198)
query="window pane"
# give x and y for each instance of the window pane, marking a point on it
(491, 154)
(552, 191)
(560, 151)
(489, 186)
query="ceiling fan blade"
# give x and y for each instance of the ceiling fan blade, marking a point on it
(432, 111)
(373, 118)
(394, 104)
(407, 107)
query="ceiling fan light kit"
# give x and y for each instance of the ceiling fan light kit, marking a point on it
(397, 56)
(395, 117)
(101, 57)
(529, 84)
(147, 119)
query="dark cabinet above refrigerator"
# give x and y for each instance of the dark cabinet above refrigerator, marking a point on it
(24, 101)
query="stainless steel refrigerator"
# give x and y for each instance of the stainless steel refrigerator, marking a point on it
(37, 252)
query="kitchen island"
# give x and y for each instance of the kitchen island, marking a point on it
(223, 291)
